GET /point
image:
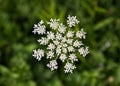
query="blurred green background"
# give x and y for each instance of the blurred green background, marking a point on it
(101, 20)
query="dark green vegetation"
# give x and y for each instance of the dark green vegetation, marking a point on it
(101, 20)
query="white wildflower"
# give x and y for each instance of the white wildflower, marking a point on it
(69, 41)
(52, 65)
(50, 35)
(38, 54)
(58, 51)
(71, 49)
(56, 42)
(51, 46)
(50, 54)
(72, 21)
(83, 51)
(73, 57)
(39, 28)
(43, 41)
(81, 34)
(64, 50)
(64, 45)
(54, 23)
(64, 39)
(60, 43)
(62, 28)
(58, 36)
(62, 57)
(69, 67)
(70, 34)
(77, 43)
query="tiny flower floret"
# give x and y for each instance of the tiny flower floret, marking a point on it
(69, 67)
(52, 65)
(54, 23)
(38, 54)
(84, 51)
(62, 57)
(81, 34)
(39, 28)
(72, 21)
(60, 43)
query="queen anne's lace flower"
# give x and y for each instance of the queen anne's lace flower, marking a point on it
(69, 67)
(81, 34)
(62, 57)
(50, 54)
(61, 43)
(73, 57)
(51, 46)
(54, 23)
(62, 28)
(39, 28)
(43, 41)
(77, 43)
(83, 51)
(52, 65)
(38, 54)
(72, 21)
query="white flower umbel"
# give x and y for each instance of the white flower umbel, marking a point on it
(50, 35)
(72, 21)
(70, 34)
(43, 41)
(81, 34)
(77, 43)
(62, 28)
(73, 57)
(54, 23)
(38, 54)
(83, 51)
(69, 67)
(51, 46)
(62, 57)
(60, 42)
(50, 54)
(39, 28)
(52, 65)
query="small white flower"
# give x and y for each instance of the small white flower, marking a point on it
(50, 35)
(71, 49)
(64, 45)
(58, 51)
(58, 36)
(43, 41)
(77, 43)
(62, 28)
(60, 43)
(50, 54)
(69, 67)
(83, 51)
(51, 46)
(70, 34)
(81, 34)
(64, 50)
(56, 42)
(69, 41)
(52, 65)
(73, 57)
(54, 23)
(64, 39)
(72, 21)
(62, 57)
(39, 28)
(38, 54)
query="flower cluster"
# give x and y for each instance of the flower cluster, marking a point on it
(61, 42)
